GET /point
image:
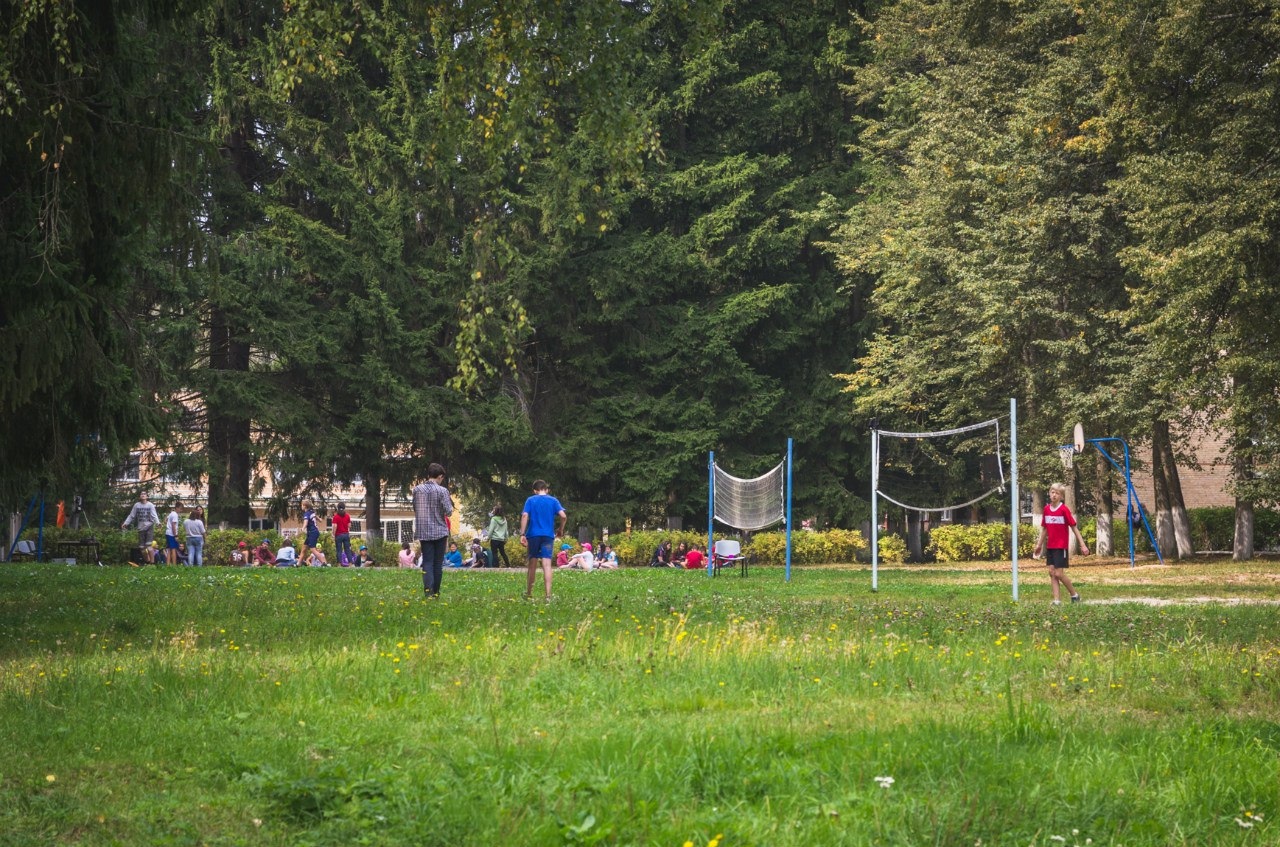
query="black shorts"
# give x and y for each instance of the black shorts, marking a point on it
(1056, 558)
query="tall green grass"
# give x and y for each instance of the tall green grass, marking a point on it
(176, 706)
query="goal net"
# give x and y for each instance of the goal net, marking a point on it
(749, 504)
(941, 471)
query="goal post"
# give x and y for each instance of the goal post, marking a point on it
(749, 504)
(1012, 483)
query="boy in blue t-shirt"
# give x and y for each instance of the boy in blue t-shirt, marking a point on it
(538, 532)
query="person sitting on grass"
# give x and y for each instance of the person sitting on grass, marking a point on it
(317, 559)
(677, 558)
(662, 556)
(262, 554)
(585, 560)
(363, 559)
(286, 556)
(562, 558)
(608, 560)
(405, 557)
(453, 559)
(477, 559)
(240, 555)
(694, 559)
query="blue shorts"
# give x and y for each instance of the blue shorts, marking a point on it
(171, 542)
(540, 546)
(313, 539)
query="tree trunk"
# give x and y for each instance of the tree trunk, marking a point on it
(915, 547)
(1173, 488)
(372, 506)
(1165, 536)
(1242, 547)
(1073, 546)
(1104, 545)
(230, 460)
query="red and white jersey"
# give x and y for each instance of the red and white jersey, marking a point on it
(1057, 523)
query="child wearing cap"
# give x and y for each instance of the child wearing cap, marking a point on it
(262, 554)
(584, 561)
(562, 558)
(240, 556)
(363, 559)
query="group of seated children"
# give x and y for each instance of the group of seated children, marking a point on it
(586, 559)
(477, 556)
(287, 556)
(687, 556)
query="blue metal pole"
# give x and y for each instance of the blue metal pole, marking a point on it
(711, 512)
(788, 510)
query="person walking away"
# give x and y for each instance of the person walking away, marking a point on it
(497, 531)
(432, 507)
(342, 535)
(311, 530)
(538, 533)
(1057, 525)
(193, 526)
(144, 518)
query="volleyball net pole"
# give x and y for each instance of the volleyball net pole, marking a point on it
(1014, 508)
(750, 504)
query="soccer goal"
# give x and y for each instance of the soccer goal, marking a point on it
(942, 472)
(749, 504)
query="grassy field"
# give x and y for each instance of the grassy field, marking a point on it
(308, 707)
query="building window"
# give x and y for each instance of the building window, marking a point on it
(397, 530)
(261, 524)
(167, 469)
(131, 469)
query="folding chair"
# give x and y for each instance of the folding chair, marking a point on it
(728, 551)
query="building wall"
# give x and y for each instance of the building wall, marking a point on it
(1207, 485)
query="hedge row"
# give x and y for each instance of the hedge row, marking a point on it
(1211, 529)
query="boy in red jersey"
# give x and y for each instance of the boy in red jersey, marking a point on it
(1056, 527)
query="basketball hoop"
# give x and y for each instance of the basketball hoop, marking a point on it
(1067, 454)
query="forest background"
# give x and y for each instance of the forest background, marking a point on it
(592, 241)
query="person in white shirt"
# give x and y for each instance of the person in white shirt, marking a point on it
(584, 561)
(171, 534)
(193, 526)
(286, 556)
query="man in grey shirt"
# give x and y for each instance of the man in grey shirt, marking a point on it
(144, 517)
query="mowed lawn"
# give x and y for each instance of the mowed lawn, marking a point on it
(308, 707)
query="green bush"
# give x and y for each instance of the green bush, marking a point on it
(978, 542)
(893, 550)
(966, 543)
(807, 548)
